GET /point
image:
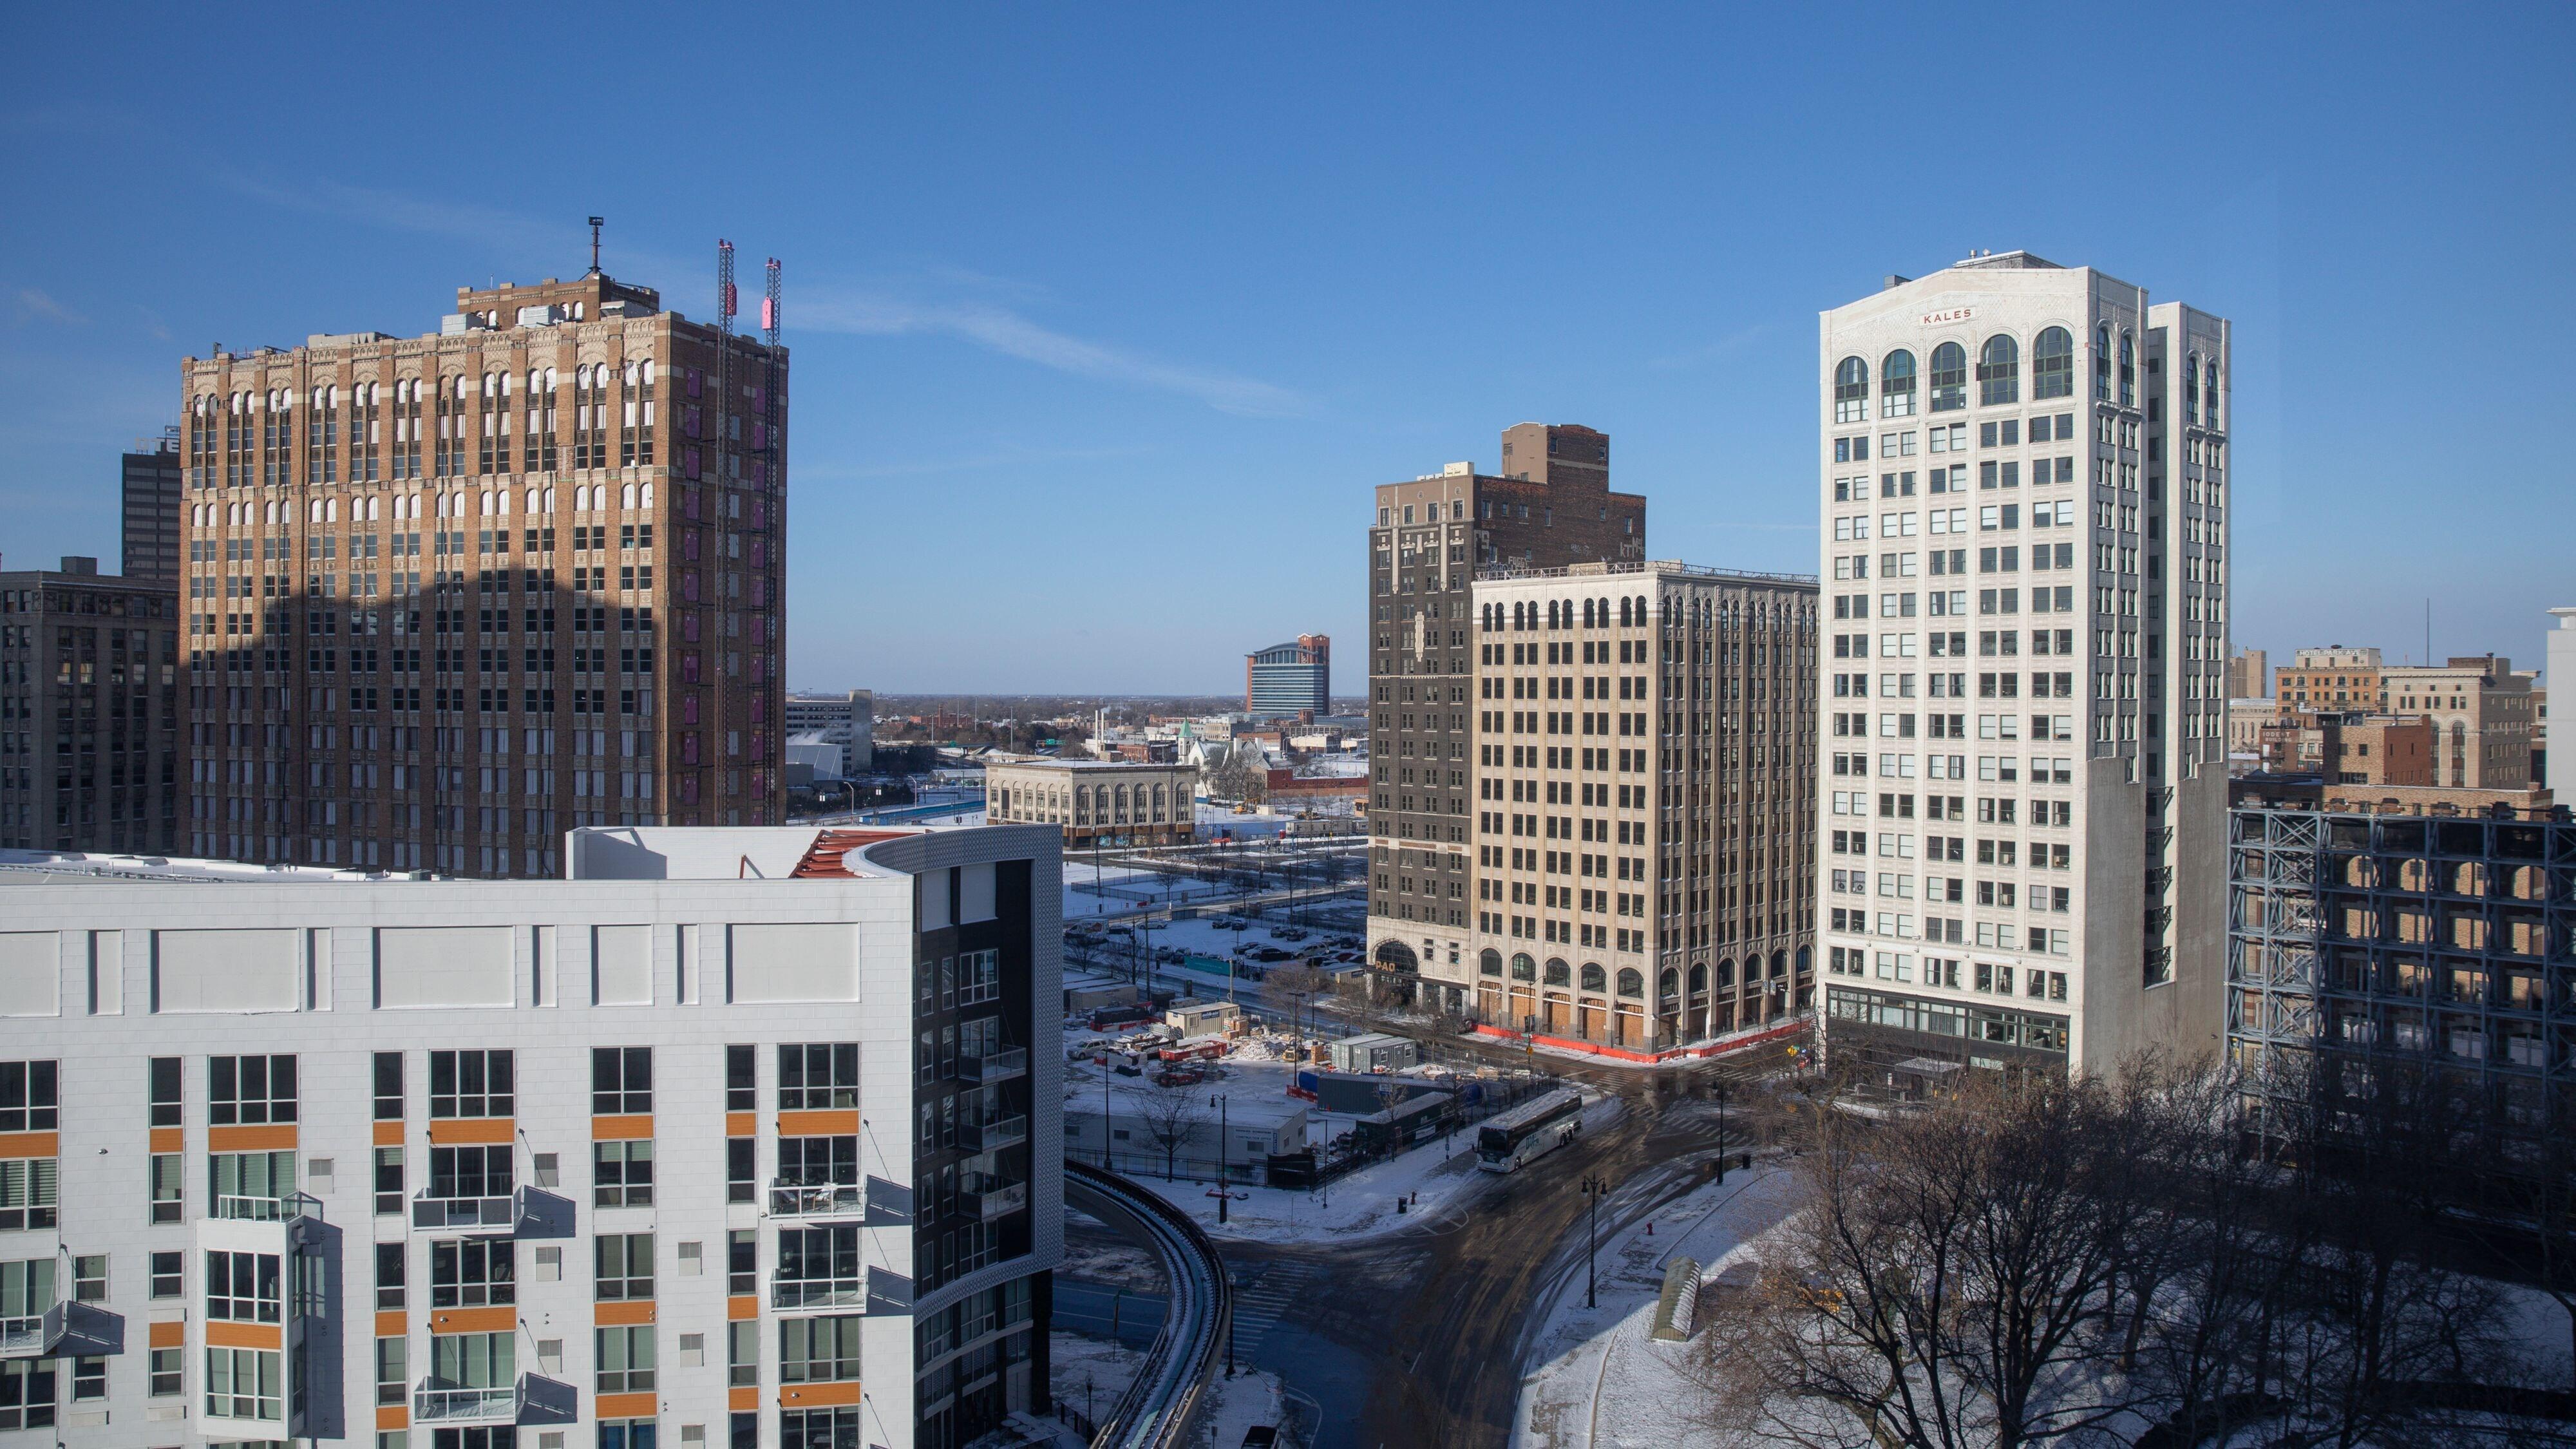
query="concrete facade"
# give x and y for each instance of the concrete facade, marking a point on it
(2484, 720)
(2560, 675)
(624, 1158)
(2023, 486)
(450, 595)
(90, 744)
(1642, 872)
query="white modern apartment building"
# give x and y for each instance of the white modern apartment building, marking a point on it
(2022, 474)
(1642, 871)
(847, 720)
(731, 1137)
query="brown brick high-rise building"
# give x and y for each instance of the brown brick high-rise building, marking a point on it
(1551, 506)
(448, 596)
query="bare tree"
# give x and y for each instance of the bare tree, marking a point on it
(1171, 1115)
(1291, 986)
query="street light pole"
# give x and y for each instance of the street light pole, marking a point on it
(1593, 1189)
(1224, 1189)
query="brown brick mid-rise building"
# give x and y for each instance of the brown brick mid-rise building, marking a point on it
(1551, 506)
(89, 711)
(2350, 748)
(448, 596)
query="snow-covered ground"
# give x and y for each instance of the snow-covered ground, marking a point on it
(1593, 1377)
(1235, 1404)
(1437, 1180)
(1091, 1370)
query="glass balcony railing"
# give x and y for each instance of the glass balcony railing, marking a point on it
(816, 1200)
(461, 1212)
(451, 1404)
(252, 1209)
(997, 1201)
(22, 1337)
(995, 1066)
(986, 1136)
(817, 1292)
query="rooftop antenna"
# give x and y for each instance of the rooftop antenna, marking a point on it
(594, 245)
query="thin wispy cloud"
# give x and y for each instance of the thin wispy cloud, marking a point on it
(1733, 342)
(32, 304)
(1006, 457)
(1008, 332)
(827, 307)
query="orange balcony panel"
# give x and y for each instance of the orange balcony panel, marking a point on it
(622, 1315)
(474, 1320)
(742, 1124)
(30, 1144)
(621, 1129)
(742, 1308)
(169, 1139)
(812, 1396)
(275, 1137)
(390, 1324)
(169, 1334)
(245, 1335)
(472, 1131)
(818, 1124)
(392, 1417)
(389, 1134)
(626, 1406)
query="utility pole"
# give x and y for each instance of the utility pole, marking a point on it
(1594, 1188)
(1721, 1130)
(1224, 1193)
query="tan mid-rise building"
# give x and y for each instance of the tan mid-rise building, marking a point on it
(450, 595)
(1548, 505)
(2249, 674)
(2484, 719)
(1645, 786)
(2332, 678)
(2350, 748)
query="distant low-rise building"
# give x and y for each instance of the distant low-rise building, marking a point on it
(2350, 748)
(2335, 677)
(2482, 718)
(847, 720)
(1102, 802)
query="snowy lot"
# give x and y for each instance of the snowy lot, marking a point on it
(1091, 1370)
(1235, 1404)
(1594, 1377)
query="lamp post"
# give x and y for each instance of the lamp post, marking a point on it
(1594, 1189)
(1721, 1130)
(1224, 1190)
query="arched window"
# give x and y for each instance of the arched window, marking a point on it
(2052, 364)
(2209, 393)
(1557, 973)
(626, 496)
(1851, 391)
(2128, 371)
(1698, 980)
(1594, 979)
(1726, 973)
(1523, 968)
(2102, 363)
(1896, 385)
(1490, 963)
(1631, 982)
(2191, 388)
(1999, 372)
(1668, 984)
(1587, 613)
(1806, 959)
(645, 496)
(1949, 377)
(1779, 963)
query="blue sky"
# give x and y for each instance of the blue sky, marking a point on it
(1106, 318)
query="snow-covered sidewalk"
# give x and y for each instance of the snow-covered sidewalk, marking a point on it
(1595, 1377)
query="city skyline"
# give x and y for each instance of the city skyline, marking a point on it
(1125, 363)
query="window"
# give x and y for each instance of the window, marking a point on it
(471, 1084)
(625, 1265)
(813, 1350)
(389, 1086)
(740, 1174)
(628, 1434)
(1949, 377)
(28, 1097)
(473, 1361)
(26, 1394)
(389, 1181)
(89, 1379)
(1999, 372)
(817, 1266)
(169, 1370)
(389, 1275)
(393, 1371)
(2052, 365)
(1851, 391)
(625, 1363)
(742, 1261)
(26, 1291)
(621, 1173)
(242, 1287)
(250, 1091)
(463, 1172)
(1896, 385)
(473, 1272)
(742, 1352)
(741, 1090)
(621, 1081)
(89, 1278)
(818, 1076)
(168, 1172)
(251, 1184)
(2128, 371)
(169, 1274)
(803, 1427)
(167, 1106)
(243, 1383)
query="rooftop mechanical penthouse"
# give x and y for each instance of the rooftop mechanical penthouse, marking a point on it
(729, 1137)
